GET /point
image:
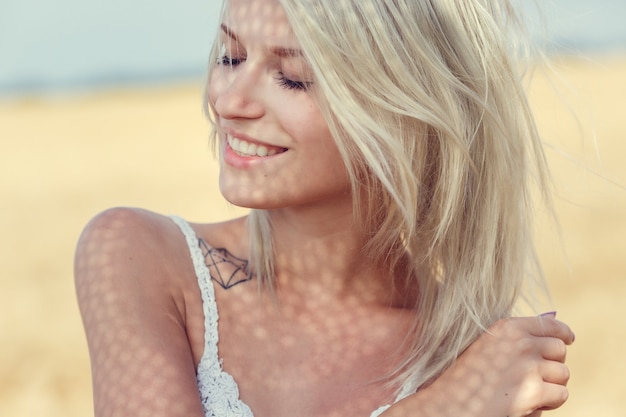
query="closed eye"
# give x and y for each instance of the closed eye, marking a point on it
(288, 84)
(230, 62)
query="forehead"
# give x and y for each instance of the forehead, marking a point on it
(260, 20)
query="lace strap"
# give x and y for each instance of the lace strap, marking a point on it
(218, 390)
(211, 335)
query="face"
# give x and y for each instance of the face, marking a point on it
(276, 150)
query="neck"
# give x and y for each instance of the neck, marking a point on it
(319, 251)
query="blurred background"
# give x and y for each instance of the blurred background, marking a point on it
(100, 106)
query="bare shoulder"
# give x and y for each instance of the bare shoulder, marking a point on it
(123, 226)
(132, 274)
(126, 246)
(140, 252)
(130, 271)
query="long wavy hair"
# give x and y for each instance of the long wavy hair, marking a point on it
(426, 101)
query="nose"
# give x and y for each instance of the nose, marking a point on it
(237, 93)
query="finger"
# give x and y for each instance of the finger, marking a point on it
(554, 372)
(553, 396)
(545, 326)
(552, 349)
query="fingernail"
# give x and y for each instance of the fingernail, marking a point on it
(551, 314)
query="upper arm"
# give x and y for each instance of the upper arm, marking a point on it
(140, 354)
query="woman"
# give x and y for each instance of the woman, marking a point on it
(385, 149)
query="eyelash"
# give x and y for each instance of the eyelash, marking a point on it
(283, 81)
(228, 61)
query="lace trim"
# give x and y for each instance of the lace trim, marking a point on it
(218, 390)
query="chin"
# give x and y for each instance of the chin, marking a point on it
(242, 197)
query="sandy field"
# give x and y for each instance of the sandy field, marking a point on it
(65, 158)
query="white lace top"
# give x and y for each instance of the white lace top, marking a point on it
(218, 389)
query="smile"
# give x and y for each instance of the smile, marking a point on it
(244, 148)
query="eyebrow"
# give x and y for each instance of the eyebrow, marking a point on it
(276, 50)
(228, 32)
(286, 52)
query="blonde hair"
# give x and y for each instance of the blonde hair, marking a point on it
(426, 103)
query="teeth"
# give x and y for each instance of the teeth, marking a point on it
(243, 148)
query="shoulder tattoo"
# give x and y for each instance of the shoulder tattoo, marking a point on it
(225, 268)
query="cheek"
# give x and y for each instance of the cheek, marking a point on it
(218, 84)
(304, 119)
(321, 143)
(213, 89)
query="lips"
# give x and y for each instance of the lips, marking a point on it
(250, 149)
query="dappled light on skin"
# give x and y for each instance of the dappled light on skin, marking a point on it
(482, 384)
(324, 346)
(119, 355)
(257, 95)
(316, 350)
(328, 344)
(331, 337)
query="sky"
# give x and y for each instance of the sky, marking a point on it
(48, 45)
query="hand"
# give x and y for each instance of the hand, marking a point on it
(517, 366)
(515, 369)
